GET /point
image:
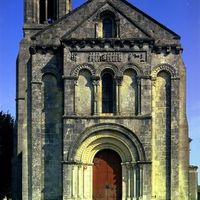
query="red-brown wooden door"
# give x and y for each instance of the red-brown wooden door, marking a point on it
(107, 176)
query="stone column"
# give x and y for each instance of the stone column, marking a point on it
(87, 181)
(80, 181)
(124, 181)
(118, 28)
(118, 82)
(74, 96)
(134, 182)
(138, 107)
(128, 168)
(74, 183)
(141, 180)
(96, 95)
(36, 140)
(173, 181)
(182, 132)
(161, 135)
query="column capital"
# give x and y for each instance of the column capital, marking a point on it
(95, 80)
(118, 80)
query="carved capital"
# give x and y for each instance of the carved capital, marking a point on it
(118, 80)
(95, 80)
(75, 82)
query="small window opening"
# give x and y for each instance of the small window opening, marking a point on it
(48, 11)
(108, 26)
(52, 11)
(42, 11)
(107, 93)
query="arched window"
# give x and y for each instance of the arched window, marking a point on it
(108, 26)
(108, 93)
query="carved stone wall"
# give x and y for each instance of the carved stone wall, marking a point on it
(60, 123)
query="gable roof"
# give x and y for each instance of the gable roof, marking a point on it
(72, 23)
(77, 32)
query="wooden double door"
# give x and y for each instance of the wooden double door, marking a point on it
(107, 176)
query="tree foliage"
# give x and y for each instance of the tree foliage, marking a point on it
(6, 150)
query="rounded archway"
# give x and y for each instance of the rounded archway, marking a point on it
(123, 145)
(107, 175)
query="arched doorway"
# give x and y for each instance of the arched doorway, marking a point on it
(119, 144)
(107, 176)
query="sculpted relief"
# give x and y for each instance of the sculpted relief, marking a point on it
(110, 56)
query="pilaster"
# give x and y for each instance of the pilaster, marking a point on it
(36, 133)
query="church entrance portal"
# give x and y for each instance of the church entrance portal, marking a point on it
(107, 176)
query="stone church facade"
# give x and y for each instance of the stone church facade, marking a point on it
(100, 105)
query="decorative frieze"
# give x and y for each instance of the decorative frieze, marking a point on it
(108, 56)
(104, 57)
(113, 43)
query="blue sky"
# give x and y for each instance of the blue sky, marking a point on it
(181, 16)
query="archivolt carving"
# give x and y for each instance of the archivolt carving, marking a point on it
(75, 71)
(105, 140)
(102, 136)
(132, 66)
(164, 67)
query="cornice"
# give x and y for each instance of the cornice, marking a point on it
(112, 42)
(115, 43)
(43, 49)
(122, 44)
(138, 117)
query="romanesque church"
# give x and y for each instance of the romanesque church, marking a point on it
(100, 105)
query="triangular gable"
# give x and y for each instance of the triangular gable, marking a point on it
(139, 24)
(86, 29)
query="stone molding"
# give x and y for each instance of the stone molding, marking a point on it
(76, 70)
(118, 72)
(108, 66)
(139, 117)
(166, 49)
(164, 67)
(52, 49)
(135, 67)
(101, 42)
(103, 127)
